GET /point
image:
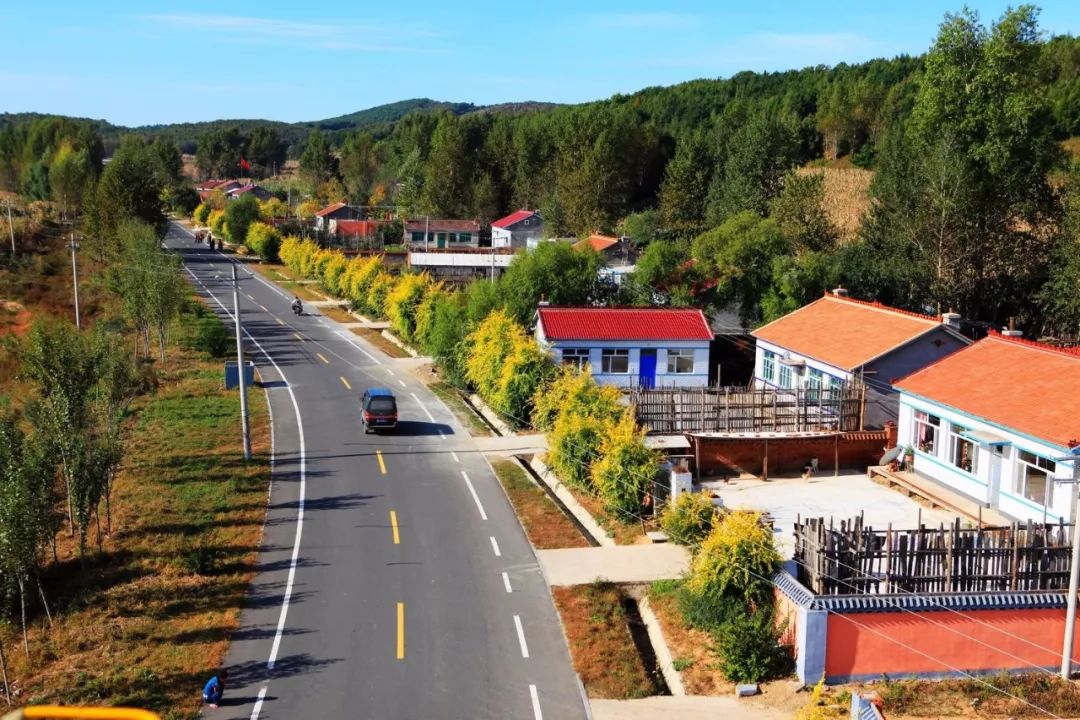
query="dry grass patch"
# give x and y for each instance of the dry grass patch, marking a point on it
(925, 699)
(338, 313)
(691, 649)
(148, 617)
(275, 271)
(601, 646)
(375, 338)
(624, 531)
(847, 196)
(461, 409)
(544, 522)
(301, 291)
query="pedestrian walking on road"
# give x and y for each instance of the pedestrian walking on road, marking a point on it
(214, 689)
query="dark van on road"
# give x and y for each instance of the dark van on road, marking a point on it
(379, 410)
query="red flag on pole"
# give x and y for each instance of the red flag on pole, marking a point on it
(244, 164)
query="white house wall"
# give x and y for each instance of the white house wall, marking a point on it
(799, 378)
(500, 237)
(978, 485)
(698, 378)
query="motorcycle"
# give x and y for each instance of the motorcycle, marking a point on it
(297, 308)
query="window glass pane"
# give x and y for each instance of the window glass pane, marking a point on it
(465, 237)
(578, 357)
(1034, 477)
(926, 432)
(615, 361)
(768, 364)
(680, 361)
(785, 376)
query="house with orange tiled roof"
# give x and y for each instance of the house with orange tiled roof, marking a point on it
(838, 339)
(994, 421)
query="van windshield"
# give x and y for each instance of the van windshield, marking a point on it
(382, 405)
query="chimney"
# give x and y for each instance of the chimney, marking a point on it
(543, 302)
(840, 292)
(1012, 331)
(951, 319)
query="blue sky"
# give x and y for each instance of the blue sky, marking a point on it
(135, 63)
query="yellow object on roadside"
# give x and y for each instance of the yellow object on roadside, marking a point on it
(61, 712)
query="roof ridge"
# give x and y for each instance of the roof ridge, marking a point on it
(878, 305)
(1070, 352)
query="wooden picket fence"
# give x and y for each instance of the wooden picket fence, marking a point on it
(853, 558)
(741, 409)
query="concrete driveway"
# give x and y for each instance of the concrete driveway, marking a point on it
(841, 498)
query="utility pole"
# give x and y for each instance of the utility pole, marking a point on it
(427, 224)
(11, 228)
(75, 277)
(1074, 565)
(240, 366)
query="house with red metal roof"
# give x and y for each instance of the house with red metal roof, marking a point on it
(994, 421)
(629, 347)
(519, 229)
(440, 233)
(336, 211)
(838, 339)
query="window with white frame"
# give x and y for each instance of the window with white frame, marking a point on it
(1035, 477)
(785, 376)
(578, 357)
(614, 360)
(927, 428)
(680, 360)
(962, 451)
(768, 365)
(814, 383)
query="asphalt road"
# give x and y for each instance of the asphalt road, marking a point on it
(394, 580)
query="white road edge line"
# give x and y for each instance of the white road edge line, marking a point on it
(521, 637)
(454, 455)
(423, 407)
(506, 582)
(483, 515)
(535, 703)
(495, 547)
(258, 703)
(402, 383)
(303, 484)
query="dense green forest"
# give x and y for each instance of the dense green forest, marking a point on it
(973, 208)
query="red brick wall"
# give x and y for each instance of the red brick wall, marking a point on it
(734, 456)
(898, 643)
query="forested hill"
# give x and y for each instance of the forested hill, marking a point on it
(973, 206)
(377, 120)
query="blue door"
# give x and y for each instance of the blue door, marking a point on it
(647, 368)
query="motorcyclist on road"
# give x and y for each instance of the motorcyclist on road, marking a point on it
(297, 306)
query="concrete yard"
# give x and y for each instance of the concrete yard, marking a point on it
(842, 498)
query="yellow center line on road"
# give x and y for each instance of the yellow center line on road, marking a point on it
(401, 631)
(296, 335)
(346, 384)
(323, 358)
(382, 465)
(394, 527)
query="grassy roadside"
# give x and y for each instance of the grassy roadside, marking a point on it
(385, 346)
(338, 313)
(623, 533)
(602, 650)
(544, 523)
(301, 291)
(275, 272)
(691, 649)
(465, 414)
(150, 615)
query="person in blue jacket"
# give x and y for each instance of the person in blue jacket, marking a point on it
(214, 689)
